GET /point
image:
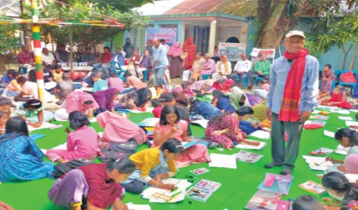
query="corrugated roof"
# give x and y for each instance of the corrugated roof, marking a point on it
(157, 7)
(195, 6)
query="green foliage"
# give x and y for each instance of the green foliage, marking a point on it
(8, 40)
(122, 5)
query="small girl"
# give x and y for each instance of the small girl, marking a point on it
(81, 143)
(338, 98)
(224, 129)
(33, 112)
(347, 138)
(157, 108)
(185, 89)
(170, 126)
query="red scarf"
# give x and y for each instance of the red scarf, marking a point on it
(292, 94)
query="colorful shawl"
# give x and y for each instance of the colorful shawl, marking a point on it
(292, 94)
(175, 51)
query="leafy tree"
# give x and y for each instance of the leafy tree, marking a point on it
(8, 44)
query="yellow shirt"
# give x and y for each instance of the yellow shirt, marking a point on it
(58, 76)
(148, 159)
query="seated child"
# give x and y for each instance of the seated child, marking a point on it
(151, 167)
(248, 127)
(81, 143)
(99, 84)
(307, 202)
(117, 83)
(64, 87)
(32, 112)
(5, 105)
(15, 87)
(157, 108)
(338, 98)
(222, 101)
(185, 89)
(7, 78)
(58, 73)
(170, 126)
(346, 138)
(134, 81)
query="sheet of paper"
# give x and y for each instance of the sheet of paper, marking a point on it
(44, 126)
(148, 110)
(350, 123)
(342, 150)
(246, 146)
(340, 111)
(132, 206)
(261, 134)
(203, 123)
(50, 85)
(354, 110)
(328, 133)
(345, 118)
(352, 178)
(61, 146)
(93, 119)
(149, 122)
(248, 157)
(317, 163)
(223, 161)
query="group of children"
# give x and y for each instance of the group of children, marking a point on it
(232, 113)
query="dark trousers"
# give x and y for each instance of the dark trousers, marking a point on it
(238, 78)
(253, 76)
(281, 154)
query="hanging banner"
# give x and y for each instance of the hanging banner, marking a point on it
(168, 34)
(232, 50)
(256, 52)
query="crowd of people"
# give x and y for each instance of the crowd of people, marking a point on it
(282, 100)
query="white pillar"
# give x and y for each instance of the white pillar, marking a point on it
(182, 34)
(212, 37)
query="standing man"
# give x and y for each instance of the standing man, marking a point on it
(261, 69)
(292, 96)
(159, 62)
(241, 70)
(128, 48)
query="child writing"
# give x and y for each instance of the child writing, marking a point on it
(150, 165)
(15, 87)
(81, 143)
(99, 84)
(33, 113)
(170, 126)
(346, 138)
(157, 108)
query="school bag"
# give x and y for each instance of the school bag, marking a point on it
(348, 77)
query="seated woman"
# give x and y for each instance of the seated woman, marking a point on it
(33, 112)
(170, 126)
(202, 87)
(206, 109)
(326, 82)
(136, 100)
(20, 157)
(77, 101)
(340, 189)
(349, 139)
(153, 165)
(185, 89)
(338, 98)
(118, 128)
(224, 129)
(95, 186)
(81, 143)
(224, 85)
(238, 98)
(222, 101)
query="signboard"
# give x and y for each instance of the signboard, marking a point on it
(255, 54)
(168, 34)
(232, 50)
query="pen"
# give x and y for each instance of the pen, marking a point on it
(174, 196)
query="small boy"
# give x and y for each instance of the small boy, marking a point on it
(134, 81)
(7, 78)
(157, 108)
(5, 105)
(307, 202)
(115, 82)
(99, 84)
(58, 73)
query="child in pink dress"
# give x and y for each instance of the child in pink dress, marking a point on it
(81, 143)
(170, 126)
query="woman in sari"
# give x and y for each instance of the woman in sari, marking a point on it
(190, 48)
(176, 62)
(327, 78)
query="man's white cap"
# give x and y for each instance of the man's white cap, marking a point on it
(295, 33)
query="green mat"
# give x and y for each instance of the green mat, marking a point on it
(238, 186)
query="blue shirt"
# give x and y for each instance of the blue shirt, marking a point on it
(207, 110)
(5, 79)
(119, 59)
(309, 90)
(160, 55)
(224, 104)
(100, 85)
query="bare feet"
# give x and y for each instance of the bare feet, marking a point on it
(61, 160)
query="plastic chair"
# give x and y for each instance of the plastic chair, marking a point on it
(206, 76)
(145, 75)
(22, 70)
(352, 86)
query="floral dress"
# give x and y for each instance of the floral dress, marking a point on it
(227, 140)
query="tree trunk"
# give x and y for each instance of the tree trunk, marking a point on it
(2, 64)
(262, 9)
(354, 58)
(277, 22)
(345, 56)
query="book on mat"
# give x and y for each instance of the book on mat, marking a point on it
(313, 187)
(199, 171)
(149, 122)
(319, 117)
(264, 200)
(248, 157)
(277, 183)
(321, 151)
(202, 190)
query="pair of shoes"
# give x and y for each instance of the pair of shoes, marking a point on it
(285, 172)
(271, 165)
